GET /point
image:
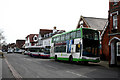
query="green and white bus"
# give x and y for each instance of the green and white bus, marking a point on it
(81, 45)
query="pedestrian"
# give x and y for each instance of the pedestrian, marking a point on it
(2, 55)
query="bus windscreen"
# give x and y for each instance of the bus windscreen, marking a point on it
(90, 43)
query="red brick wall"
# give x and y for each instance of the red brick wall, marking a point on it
(105, 46)
(112, 11)
(84, 25)
(111, 5)
(114, 36)
(113, 8)
(20, 43)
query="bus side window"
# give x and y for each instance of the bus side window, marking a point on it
(73, 35)
(62, 37)
(68, 36)
(78, 34)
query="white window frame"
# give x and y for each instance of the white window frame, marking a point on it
(118, 43)
(115, 2)
(114, 22)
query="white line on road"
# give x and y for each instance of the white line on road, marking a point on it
(77, 74)
(14, 72)
(27, 59)
(51, 66)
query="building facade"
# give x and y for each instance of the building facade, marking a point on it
(114, 32)
(20, 43)
(44, 33)
(104, 43)
(31, 40)
(45, 36)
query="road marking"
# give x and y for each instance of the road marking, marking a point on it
(14, 72)
(77, 74)
(51, 66)
(27, 59)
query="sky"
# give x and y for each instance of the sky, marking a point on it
(19, 18)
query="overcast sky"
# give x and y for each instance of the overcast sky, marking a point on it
(19, 18)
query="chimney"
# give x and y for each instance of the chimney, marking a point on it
(54, 29)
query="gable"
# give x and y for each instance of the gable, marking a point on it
(94, 23)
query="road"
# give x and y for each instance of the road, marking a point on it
(24, 66)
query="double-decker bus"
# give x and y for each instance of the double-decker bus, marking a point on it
(81, 45)
(35, 51)
(46, 52)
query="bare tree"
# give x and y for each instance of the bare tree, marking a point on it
(2, 38)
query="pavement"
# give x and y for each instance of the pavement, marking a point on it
(0, 68)
(6, 72)
(1, 57)
(106, 64)
(4, 69)
(102, 63)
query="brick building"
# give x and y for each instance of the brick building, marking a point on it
(111, 34)
(105, 42)
(114, 32)
(20, 43)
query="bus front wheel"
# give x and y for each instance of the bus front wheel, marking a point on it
(55, 57)
(70, 59)
(84, 62)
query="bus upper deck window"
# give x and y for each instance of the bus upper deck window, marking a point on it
(78, 34)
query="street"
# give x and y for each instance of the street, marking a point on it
(23, 66)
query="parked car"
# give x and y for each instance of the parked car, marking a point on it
(10, 51)
(19, 51)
